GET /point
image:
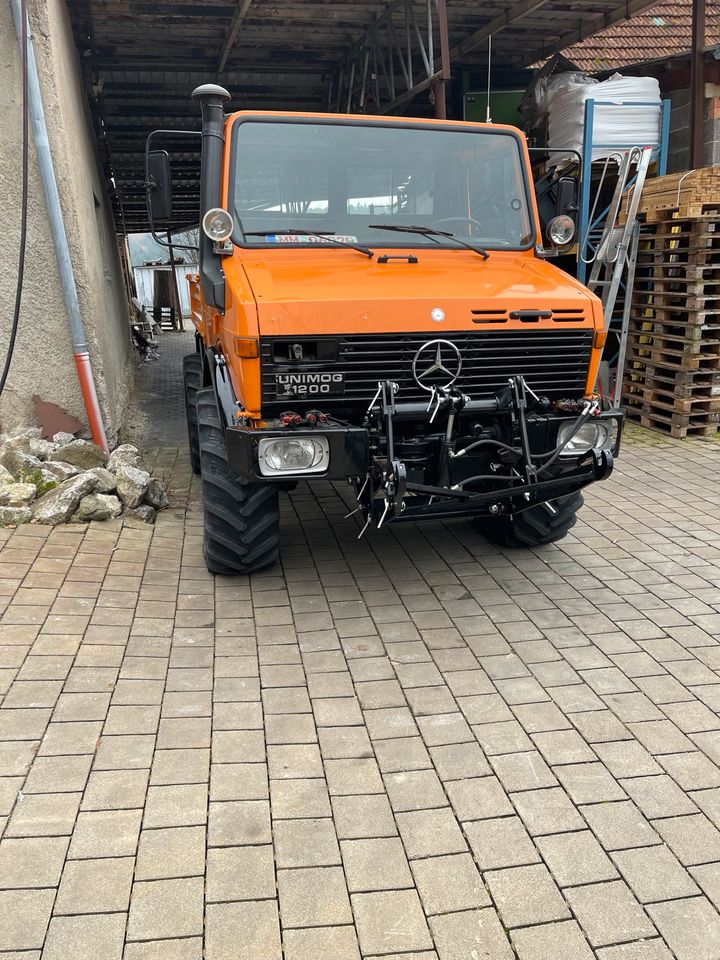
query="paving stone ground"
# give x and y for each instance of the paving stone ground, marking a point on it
(413, 747)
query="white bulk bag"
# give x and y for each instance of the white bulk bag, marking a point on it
(623, 126)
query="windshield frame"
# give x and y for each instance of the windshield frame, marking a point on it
(236, 120)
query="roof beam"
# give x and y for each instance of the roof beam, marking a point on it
(516, 12)
(238, 16)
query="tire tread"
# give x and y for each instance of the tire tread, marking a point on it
(533, 527)
(192, 380)
(241, 520)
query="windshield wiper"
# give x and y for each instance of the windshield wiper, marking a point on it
(430, 232)
(323, 235)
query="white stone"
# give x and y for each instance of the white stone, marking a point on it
(155, 495)
(61, 471)
(80, 453)
(10, 516)
(132, 484)
(40, 448)
(17, 460)
(62, 438)
(58, 505)
(144, 512)
(5, 475)
(106, 481)
(99, 506)
(35, 446)
(17, 494)
(125, 453)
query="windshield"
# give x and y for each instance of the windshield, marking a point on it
(343, 179)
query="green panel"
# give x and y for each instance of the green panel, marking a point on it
(503, 106)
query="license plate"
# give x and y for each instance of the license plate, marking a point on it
(306, 385)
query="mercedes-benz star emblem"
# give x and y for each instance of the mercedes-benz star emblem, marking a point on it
(439, 363)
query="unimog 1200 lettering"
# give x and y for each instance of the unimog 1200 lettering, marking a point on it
(373, 305)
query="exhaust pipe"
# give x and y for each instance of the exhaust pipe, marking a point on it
(212, 99)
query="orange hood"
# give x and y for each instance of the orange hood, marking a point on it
(316, 292)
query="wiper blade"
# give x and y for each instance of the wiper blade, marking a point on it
(322, 234)
(430, 232)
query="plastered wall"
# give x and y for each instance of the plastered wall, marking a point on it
(43, 361)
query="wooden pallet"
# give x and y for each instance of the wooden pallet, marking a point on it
(692, 211)
(675, 425)
(693, 194)
(672, 373)
(662, 399)
(656, 307)
(683, 384)
(673, 356)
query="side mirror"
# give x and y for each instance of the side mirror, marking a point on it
(566, 197)
(158, 181)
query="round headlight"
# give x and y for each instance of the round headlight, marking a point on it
(561, 230)
(217, 224)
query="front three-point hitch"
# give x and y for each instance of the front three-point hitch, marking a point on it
(516, 477)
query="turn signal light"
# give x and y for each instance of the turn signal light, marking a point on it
(246, 348)
(599, 338)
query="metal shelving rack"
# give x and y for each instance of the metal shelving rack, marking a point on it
(607, 249)
(589, 231)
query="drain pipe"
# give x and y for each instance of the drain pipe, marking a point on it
(52, 200)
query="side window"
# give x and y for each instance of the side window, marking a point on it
(493, 191)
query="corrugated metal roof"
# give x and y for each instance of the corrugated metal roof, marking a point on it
(662, 31)
(142, 58)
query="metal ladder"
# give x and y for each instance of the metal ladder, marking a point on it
(615, 255)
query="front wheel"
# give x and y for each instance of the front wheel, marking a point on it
(241, 520)
(538, 525)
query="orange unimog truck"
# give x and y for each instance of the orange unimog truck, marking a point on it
(374, 305)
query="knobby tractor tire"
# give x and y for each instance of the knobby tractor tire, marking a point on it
(192, 380)
(535, 526)
(242, 520)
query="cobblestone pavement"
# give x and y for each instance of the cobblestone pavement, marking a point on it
(160, 403)
(414, 747)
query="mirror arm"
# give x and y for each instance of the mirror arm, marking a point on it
(149, 184)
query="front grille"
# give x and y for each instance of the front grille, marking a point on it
(553, 362)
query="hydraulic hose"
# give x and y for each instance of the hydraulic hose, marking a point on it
(57, 226)
(23, 202)
(553, 455)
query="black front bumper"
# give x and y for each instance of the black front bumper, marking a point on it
(350, 459)
(348, 452)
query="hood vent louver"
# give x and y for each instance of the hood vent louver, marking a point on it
(556, 314)
(489, 316)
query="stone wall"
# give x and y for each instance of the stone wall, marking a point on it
(679, 146)
(43, 355)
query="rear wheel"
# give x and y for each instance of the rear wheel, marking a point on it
(242, 520)
(192, 380)
(543, 523)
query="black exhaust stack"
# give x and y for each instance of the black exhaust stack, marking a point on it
(212, 98)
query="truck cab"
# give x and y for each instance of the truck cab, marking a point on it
(373, 304)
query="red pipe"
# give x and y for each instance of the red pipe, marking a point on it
(87, 385)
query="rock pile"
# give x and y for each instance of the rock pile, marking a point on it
(67, 481)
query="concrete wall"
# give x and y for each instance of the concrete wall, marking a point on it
(43, 361)
(679, 147)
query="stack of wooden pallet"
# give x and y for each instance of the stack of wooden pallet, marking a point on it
(672, 372)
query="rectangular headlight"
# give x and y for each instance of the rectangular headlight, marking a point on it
(594, 433)
(284, 456)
